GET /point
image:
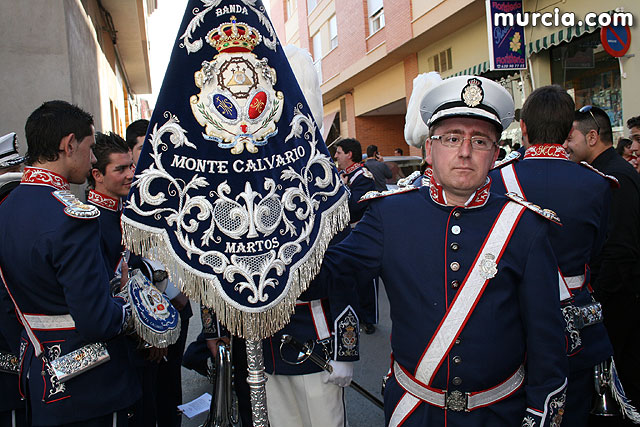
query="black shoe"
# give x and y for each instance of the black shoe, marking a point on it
(368, 328)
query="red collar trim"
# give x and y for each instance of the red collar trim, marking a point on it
(428, 172)
(478, 198)
(103, 201)
(546, 151)
(352, 168)
(39, 176)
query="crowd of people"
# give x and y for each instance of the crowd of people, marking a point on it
(509, 282)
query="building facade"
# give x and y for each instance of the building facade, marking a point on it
(368, 52)
(93, 53)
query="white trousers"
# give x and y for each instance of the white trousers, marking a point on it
(304, 401)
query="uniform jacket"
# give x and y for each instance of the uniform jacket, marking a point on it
(423, 250)
(110, 231)
(10, 328)
(10, 331)
(53, 265)
(360, 181)
(581, 197)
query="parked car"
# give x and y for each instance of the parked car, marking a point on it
(401, 166)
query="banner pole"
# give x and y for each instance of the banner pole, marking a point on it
(257, 379)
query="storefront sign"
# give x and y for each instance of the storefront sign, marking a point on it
(506, 39)
(615, 39)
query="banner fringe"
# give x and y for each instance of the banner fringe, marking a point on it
(264, 324)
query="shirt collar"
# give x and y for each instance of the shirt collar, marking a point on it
(104, 201)
(478, 198)
(40, 176)
(546, 151)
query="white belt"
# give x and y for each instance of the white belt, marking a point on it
(574, 282)
(457, 400)
(47, 323)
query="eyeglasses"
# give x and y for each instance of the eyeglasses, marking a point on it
(455, 140)
(587, 109)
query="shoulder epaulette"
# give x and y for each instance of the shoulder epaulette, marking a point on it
(545, 213)
(74, 207)
(378, 194)
(612, 179)
(347, 334)
(366, 172)
(404, 182)
(510, 158)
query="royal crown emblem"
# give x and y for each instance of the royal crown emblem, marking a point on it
(472, 93)
(237, 104)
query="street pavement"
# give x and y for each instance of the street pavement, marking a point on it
(368, 372)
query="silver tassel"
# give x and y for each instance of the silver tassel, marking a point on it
(626, 407)
(152, 245)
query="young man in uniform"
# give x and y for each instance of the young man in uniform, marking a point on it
(580, 196)
(110, 180)
(477, 334)
(54, 273)
(616, 271)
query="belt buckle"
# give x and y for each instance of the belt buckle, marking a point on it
(456, 401)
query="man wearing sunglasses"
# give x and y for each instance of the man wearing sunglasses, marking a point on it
(616, 272)
(470, 275)
(544, 175)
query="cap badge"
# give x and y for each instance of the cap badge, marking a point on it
(472, 93)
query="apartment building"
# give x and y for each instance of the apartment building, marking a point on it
(368, 52)
(93, 53)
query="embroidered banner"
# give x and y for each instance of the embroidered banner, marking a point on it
(235, 192)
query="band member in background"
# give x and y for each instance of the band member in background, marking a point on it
(545, 176)
(360, 181)
(12, 407)
(110, 180)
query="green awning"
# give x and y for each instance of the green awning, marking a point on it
(476, 70)
(564, 35)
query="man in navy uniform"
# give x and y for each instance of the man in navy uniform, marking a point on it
(360, 181)
(477, 334)
(54, 272)
(616, 271)
(545, 176)
(110, 180)
(12, 407)
(354, 174)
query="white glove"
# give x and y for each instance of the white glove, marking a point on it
(341, 375)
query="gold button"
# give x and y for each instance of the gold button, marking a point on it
(455, 266)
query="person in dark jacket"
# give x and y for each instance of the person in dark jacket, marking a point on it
(616, 272)
(377, 167)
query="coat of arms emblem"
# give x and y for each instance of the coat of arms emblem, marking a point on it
(237, 104)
